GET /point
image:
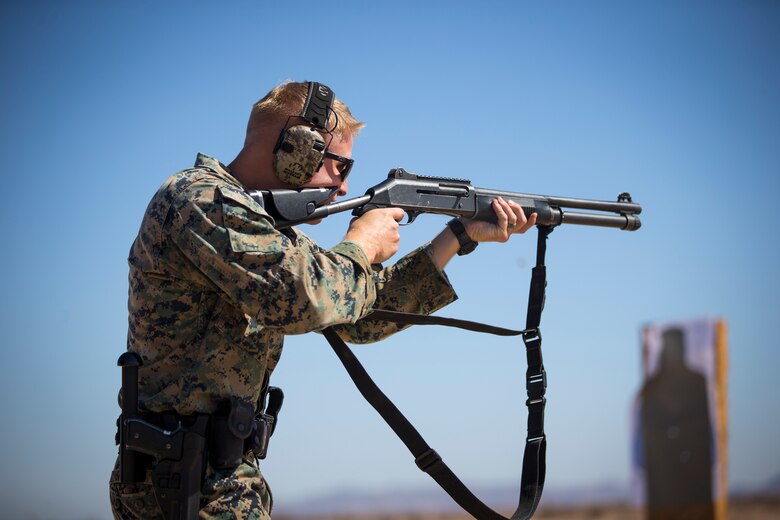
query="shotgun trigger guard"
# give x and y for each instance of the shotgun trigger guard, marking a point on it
(411, 216)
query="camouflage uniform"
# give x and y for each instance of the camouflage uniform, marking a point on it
(214, 288)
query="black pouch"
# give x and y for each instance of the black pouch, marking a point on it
(262, 427)
(265, 422)
(228, 432)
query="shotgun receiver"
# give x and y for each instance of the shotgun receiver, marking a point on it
(417, 194)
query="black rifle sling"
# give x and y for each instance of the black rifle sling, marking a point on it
(534, 457)
(426, 458)
(408, 318)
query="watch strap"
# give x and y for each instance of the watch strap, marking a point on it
(459, 230)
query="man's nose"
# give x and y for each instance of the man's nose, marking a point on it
(343, 187)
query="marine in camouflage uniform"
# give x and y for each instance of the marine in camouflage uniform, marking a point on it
(214, 288)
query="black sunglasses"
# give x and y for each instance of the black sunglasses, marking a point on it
(344, 166)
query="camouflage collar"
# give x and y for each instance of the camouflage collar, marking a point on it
(205, 161)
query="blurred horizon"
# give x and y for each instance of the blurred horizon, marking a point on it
(676, 103)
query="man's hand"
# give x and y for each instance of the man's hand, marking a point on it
(377, 233)
(510, 220)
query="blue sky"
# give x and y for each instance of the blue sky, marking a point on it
(678, 103)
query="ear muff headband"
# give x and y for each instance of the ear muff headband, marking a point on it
(300, 149)
(318, 105)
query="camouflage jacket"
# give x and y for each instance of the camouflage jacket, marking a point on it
(214, 288)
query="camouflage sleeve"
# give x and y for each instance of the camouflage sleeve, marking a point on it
(413, 284)
(278, 279)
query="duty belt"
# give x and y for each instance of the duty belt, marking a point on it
(230, 435)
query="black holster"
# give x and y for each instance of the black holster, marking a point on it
(177, 455)
(177, 447)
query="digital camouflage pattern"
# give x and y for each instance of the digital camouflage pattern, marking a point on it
(225, 495)
(214, 288)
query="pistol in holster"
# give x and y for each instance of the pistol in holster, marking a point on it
(178, 454)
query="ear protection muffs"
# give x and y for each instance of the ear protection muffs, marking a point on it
(300, 149)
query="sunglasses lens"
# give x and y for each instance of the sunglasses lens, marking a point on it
(344, 169)
(344, 164)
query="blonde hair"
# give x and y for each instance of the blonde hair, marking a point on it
(287, 100)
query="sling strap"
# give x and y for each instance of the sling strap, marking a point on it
(407, 318)
(426, 458)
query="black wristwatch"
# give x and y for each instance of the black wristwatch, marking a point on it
(459, 230)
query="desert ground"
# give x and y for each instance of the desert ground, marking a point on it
(742, 509)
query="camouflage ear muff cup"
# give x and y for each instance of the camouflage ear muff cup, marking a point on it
(299, 155)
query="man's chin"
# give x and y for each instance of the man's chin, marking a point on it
(314, 222)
